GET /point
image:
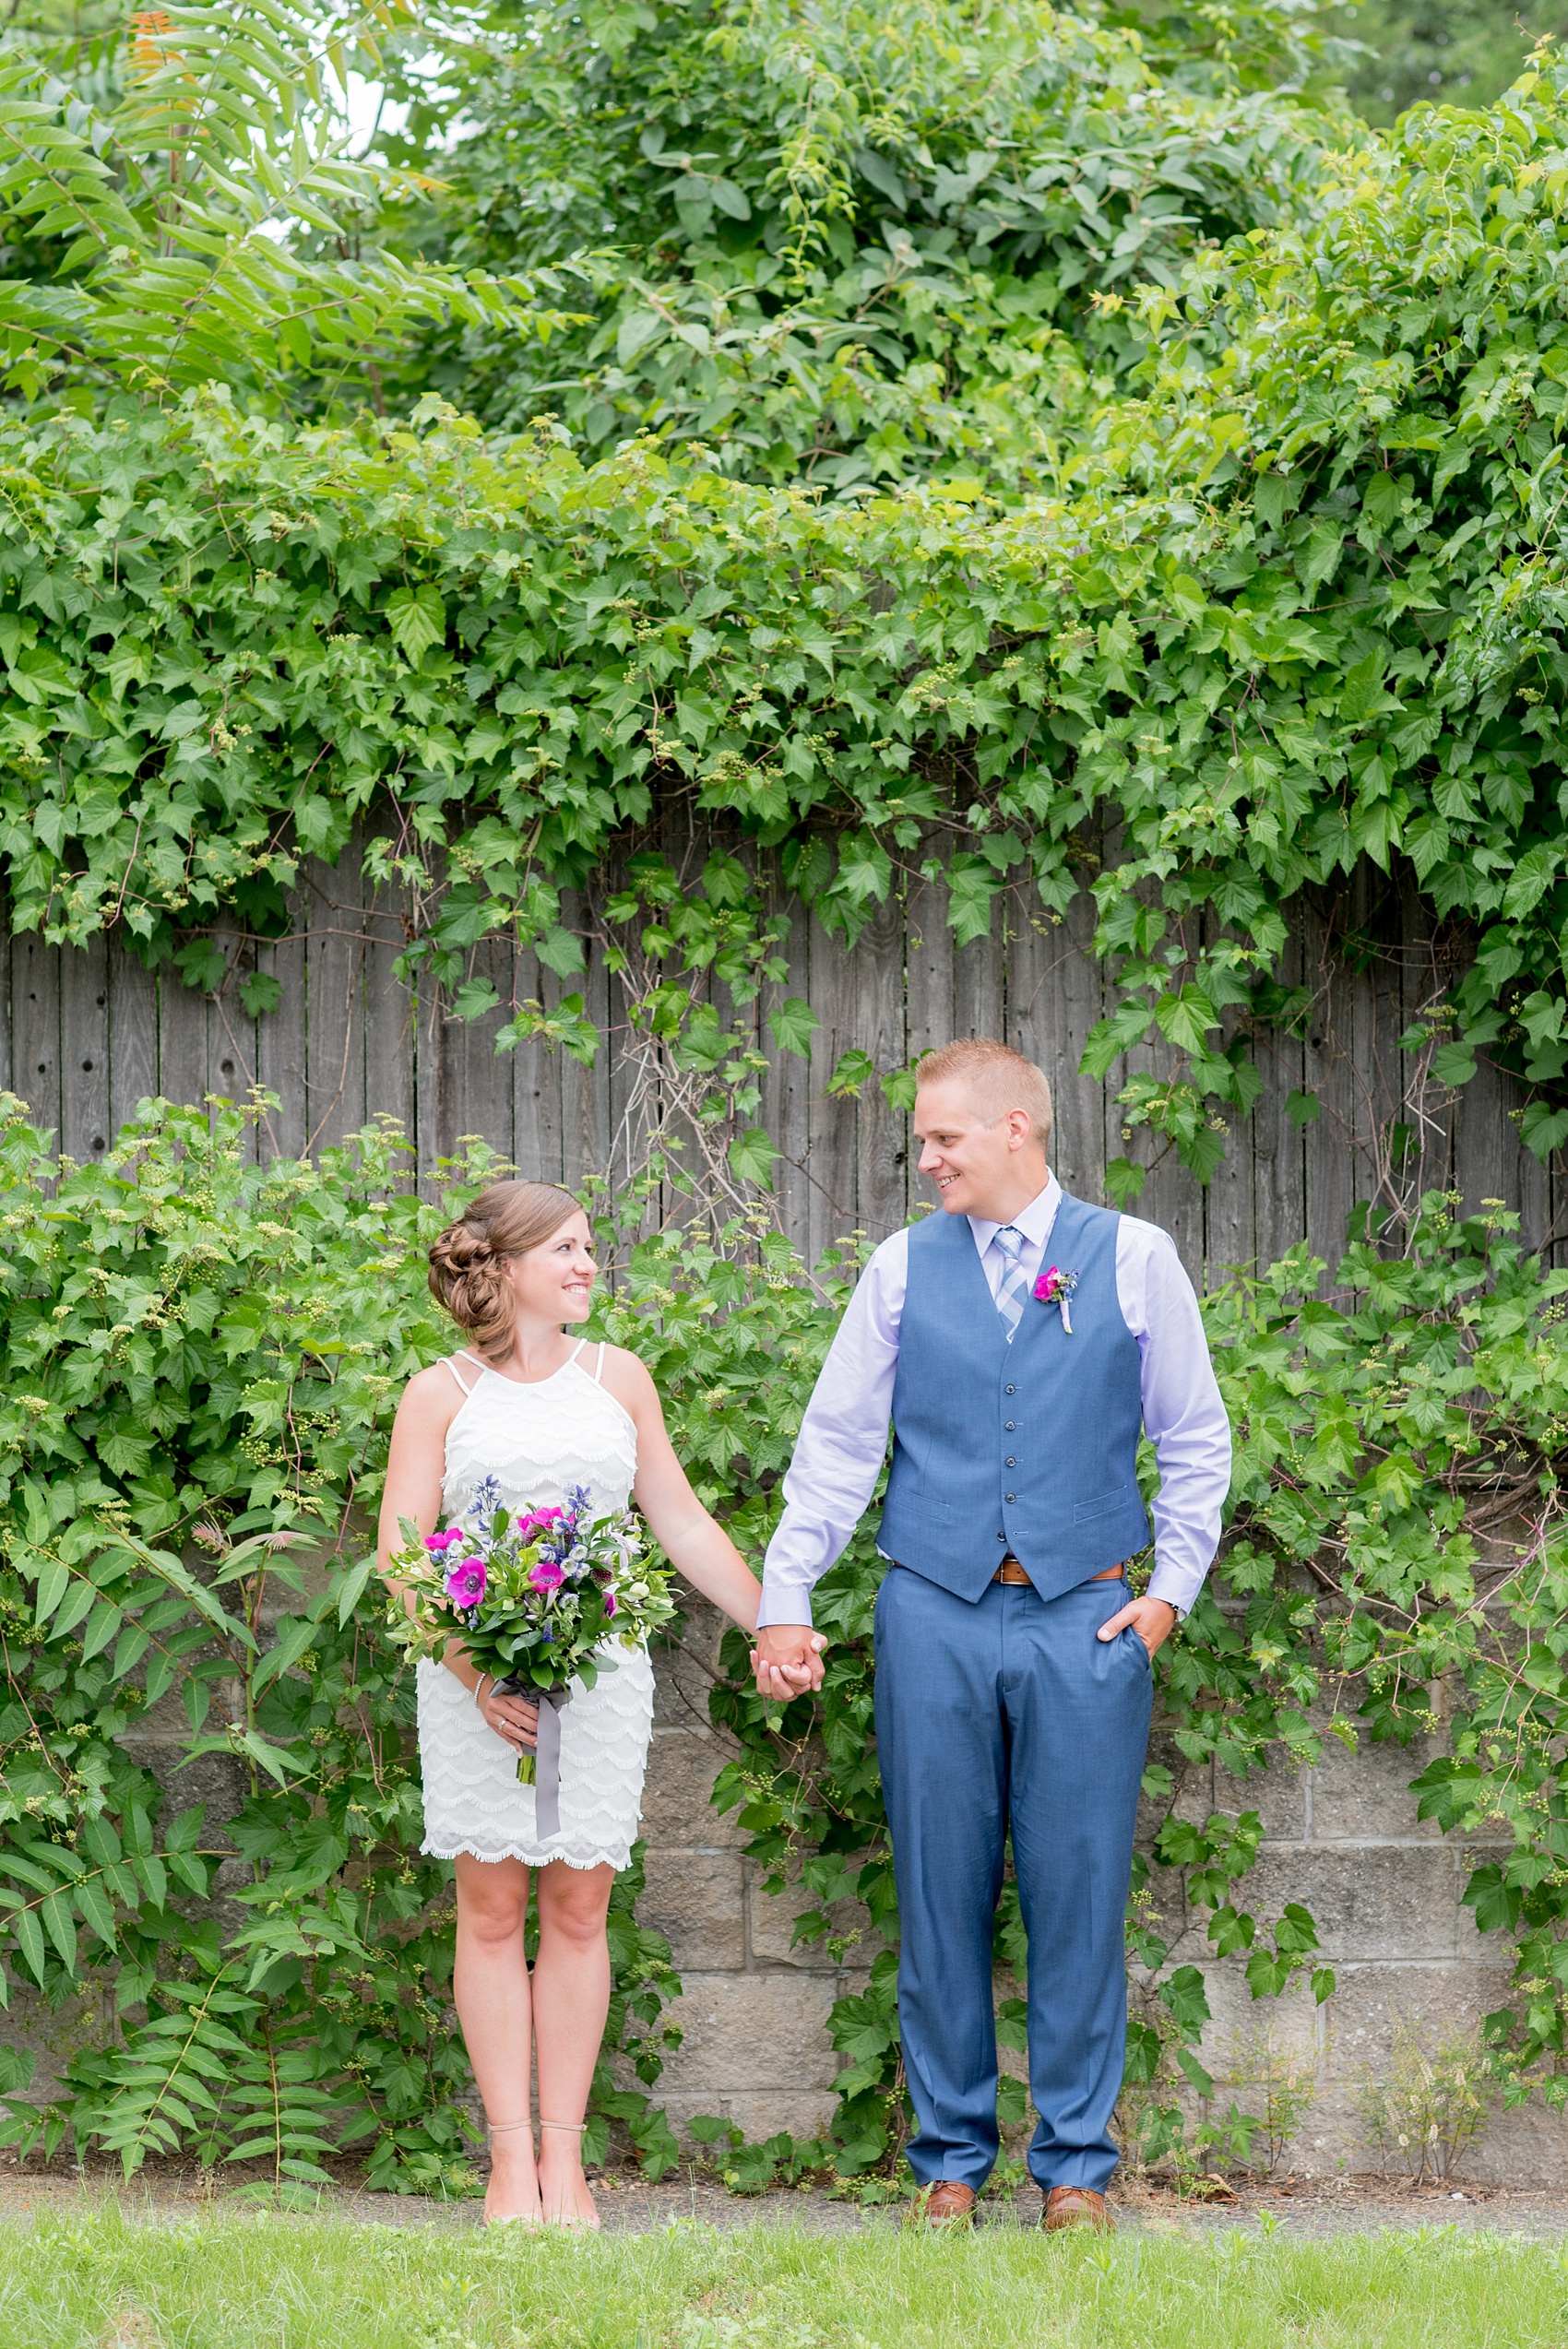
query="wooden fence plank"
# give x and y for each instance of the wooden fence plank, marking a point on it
(84, 1052)
(1066, 1000)
(928, 971)
(388, 1024)
(536, 1093)
(786, 1096)
(335, 959)
(7, 1057)
(584, 1090)
(1333, 1179)
(35, 1026)
(475, 1086)
(1279, 1150)
(282, 1049)
(831, 1158)
(184, 1073)
(978, 987)
(882, 1136)
(232, 1049)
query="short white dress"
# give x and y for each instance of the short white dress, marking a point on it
(537, 1440)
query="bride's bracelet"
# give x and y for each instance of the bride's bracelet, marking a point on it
(479, 1685)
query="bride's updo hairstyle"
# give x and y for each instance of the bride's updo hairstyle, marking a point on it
(505, 1219)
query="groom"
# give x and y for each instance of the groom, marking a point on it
(1020, 1341)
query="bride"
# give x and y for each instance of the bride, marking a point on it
(523, 1403)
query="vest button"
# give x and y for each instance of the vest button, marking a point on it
(1009, 1426)
(1001, 1536)
(1010, 1495)
(1010, 1390)
(1012, 1463)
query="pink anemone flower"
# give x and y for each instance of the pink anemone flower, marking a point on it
(465, 1583)
(547, 1575)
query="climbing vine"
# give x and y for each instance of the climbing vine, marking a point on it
(1292, 608)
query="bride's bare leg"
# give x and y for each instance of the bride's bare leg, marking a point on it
(491, 1984)
(571, 1998)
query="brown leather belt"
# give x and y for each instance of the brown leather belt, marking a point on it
(1011, 1572)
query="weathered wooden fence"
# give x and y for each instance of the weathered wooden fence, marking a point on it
(84, 1034)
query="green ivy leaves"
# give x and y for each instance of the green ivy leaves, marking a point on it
(202, 1358)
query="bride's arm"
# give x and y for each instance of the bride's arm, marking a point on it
(689, 1536)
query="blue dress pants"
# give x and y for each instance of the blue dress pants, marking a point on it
(1011, 1713)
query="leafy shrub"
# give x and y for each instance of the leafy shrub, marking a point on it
(201, 1360)
(835, 245)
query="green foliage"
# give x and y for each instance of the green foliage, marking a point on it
(1340, 647)
(201, 1358)
(836, 244)
(176, 210)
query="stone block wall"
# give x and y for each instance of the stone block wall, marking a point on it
(754, 2015)
(1342, 1837)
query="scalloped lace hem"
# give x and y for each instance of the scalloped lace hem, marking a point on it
(620, 1858)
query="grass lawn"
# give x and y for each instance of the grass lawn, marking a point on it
(276, 2282)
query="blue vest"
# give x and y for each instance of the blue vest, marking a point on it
(1029, 1448)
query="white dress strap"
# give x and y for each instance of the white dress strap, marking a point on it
(599, 1366)
(577, 1349)
(457, 1374)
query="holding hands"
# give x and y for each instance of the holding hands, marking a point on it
(787, 1660)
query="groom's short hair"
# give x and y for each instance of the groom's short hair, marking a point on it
(997, 1080)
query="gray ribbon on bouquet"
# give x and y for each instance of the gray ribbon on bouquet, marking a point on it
(552, 1704)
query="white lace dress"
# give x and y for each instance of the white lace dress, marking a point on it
(537, 1440)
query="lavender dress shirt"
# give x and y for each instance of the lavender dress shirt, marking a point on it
(843, 1438)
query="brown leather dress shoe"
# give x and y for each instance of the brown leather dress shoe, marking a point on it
(947, 2204)
(1076, 2206)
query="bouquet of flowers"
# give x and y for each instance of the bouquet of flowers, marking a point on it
(534, 1596)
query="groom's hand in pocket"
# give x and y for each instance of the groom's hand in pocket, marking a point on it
(1154, 1619)
(787, 1660)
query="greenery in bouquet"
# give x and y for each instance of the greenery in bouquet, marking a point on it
(536, 1595)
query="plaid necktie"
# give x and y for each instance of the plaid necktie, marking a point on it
(1010, 1295)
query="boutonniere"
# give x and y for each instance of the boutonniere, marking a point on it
(1054, 1288)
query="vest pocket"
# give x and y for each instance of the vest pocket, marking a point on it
(1105, 1503)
